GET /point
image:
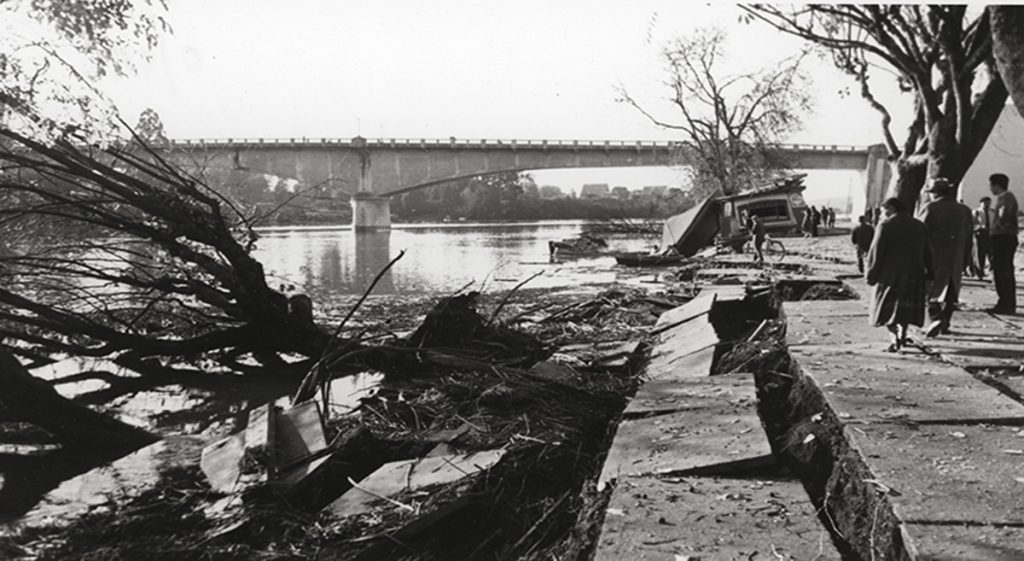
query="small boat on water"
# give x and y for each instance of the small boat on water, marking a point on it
(641, 259)
(682, 236)
(583, 246)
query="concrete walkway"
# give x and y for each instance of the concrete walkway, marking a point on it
(939, 426)
(692, 467)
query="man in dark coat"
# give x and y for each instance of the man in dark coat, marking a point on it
(950, 226)
(861, 237)
(1003, 236)
(984, 218)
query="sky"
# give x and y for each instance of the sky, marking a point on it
(403, 68)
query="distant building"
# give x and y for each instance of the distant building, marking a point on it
(551, 192)
(620, 192)
(594, 191)
(655, 190)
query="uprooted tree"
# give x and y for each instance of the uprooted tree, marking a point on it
(939, 53)
(109, 248)
(731, 124)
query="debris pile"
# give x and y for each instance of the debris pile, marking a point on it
(481, 441)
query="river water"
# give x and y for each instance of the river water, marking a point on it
(327, 263)
(332, 261)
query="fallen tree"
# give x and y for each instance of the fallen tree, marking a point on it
(111, 249)
(25, 398)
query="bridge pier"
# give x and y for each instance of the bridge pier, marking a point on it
(877, 177)
(370, 212)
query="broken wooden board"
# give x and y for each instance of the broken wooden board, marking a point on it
(962, 542)
(300, 434)
(716, 435)
(712, 519)
(872, 385)
(259, 435)
(946, 473)
(221, 462)
(412, 475)
(700, 305)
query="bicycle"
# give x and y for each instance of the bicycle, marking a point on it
(772, 249)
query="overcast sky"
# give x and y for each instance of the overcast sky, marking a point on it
(409, 68)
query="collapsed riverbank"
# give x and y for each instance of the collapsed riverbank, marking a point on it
(553, 423)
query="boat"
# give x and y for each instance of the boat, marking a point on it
(682, 236)
(583, 246)
(641, 259)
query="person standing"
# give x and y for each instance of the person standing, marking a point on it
(1003, 239)
(949, 225)
(861, 237)
(758, 231)
(815, 221)
(984, 217)
(807, 223)
(898, 265)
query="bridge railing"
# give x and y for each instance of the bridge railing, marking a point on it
(500, 143)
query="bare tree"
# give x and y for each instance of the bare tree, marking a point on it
(731, 124)
(113, 249)
(937, 52)
(1007, 23)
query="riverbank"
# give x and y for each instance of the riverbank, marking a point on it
(543, 434)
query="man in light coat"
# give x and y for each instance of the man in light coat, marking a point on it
(950, 227)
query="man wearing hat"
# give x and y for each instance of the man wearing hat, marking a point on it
(949, 226)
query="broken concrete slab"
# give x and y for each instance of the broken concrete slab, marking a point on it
(300, 433)
(412, 475)
(946, 474)
(877, 386)
(712, 518)
(825, 308)
(701, 304)
(688, 367)
(712, 435)
(668, 396)
(963, 542)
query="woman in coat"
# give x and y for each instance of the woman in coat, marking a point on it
(898, 265)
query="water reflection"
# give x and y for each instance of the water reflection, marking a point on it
(335, 261)
(373, 252)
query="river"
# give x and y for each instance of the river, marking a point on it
(328, 262)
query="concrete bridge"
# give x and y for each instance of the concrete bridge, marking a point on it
(370, 171)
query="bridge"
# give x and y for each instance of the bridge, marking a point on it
(370, 171)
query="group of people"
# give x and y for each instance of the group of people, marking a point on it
(916, 265)
(815, 218)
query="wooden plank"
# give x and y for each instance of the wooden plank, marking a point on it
(652, 519)
(411, 475)
(221, 462)
(300, 433)
(259, 434)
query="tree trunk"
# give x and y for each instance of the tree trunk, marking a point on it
(26, 398)
(911, 173)
(1007, 24)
